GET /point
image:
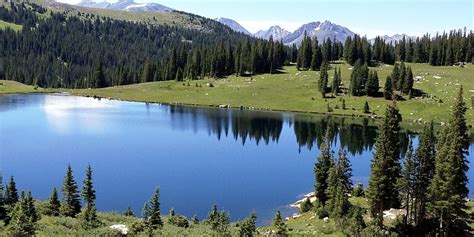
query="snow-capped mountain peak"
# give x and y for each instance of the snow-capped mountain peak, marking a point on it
(233, 25)
(276, 32)
(126, 5)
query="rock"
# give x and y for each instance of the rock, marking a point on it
(224, 106)
(296, 215)
(326, 219)
(121, 228)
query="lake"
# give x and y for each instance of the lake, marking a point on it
(240, 160)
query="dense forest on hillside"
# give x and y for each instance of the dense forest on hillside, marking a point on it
(90, 51)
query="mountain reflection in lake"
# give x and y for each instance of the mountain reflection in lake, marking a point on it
(241, 160)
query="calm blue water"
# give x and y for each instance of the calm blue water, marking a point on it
(241, 160)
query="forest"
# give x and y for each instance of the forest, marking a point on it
(89, 51)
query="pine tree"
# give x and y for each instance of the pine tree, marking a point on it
(129, 212)
(53, 206)
(22, 218)
(395, 76)
(11, 193)
(385, 169)
(406, 185)
(278, 224)
(71, 203)
(88, 192)
(339, 186)
(448, 188)
(424, 162)
(323, 80)
(29, 206)
(3, 211)
(336, 81)
(321, 170)
(89, 218)
(408, 82)
(99, 77)
(388, 89)
(147, 74)
(366, 108)
(155, 215)
(372, 86)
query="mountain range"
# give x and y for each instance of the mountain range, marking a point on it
(126, 5)
(321, 30)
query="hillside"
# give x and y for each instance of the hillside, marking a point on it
(297, 91)
(175, 18)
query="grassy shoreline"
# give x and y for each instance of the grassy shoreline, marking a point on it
(294, 91)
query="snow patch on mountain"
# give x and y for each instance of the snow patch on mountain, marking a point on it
(234, 25)
(276, 32)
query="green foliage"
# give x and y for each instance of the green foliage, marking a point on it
(306, 205)
(358, 190)
(339, 186)
(388, 89)
(366, 108)
(88, 192)
(88, 217)
(137, 227)
(247, 227)
(372, 85)
(321, 170)
(448, 188)
(278, 224)
(53, 204)
(385, 169)
(179, 221)
(154, 215)
(71, 205)
(23, 217)
(219, 221)
(323, 80)
(336, 81)
(355, 223)
(3, 211)
(195, 220)
(129, 212)
(359, 77)
(11, 193)
(406, 185)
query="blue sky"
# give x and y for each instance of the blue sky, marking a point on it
(366, 17)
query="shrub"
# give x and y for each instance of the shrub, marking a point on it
(306, 205)
(179, 221)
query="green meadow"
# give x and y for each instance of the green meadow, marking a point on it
(296, 91)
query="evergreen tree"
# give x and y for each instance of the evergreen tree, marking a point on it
(406, 185)
(395, 76)
(3, 211)
(71, 203)
(53, 206)
(89, 217)
(129, 212)
(448, 188)
(247, 227)
(99, 77)
(195, 220)
(359, 77)
(29, 206)
(323, 80)
(147, 74)
(21, 222)
(388, 89)
(278, 224)
(11, 193)
(408, 82)
(339, 186)
(385, 169)
(366, 108)
(372, 86)
(154, 218)
(424, 162)
(219, 220)
(336, 81)
(321, 170)
(88, 192)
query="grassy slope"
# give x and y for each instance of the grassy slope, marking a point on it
(152, 18)
(11, 87)
(295, 91)
(15, 27)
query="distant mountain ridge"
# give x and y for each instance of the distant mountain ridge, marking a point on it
(234, 25)
(321, 30)
(126, 5)
(394, 38)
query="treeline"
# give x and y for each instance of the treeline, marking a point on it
(447, 49)
(54, 50)
(428, 183)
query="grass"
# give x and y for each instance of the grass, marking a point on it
(13, 87)
(5, 25)
(297, 91)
